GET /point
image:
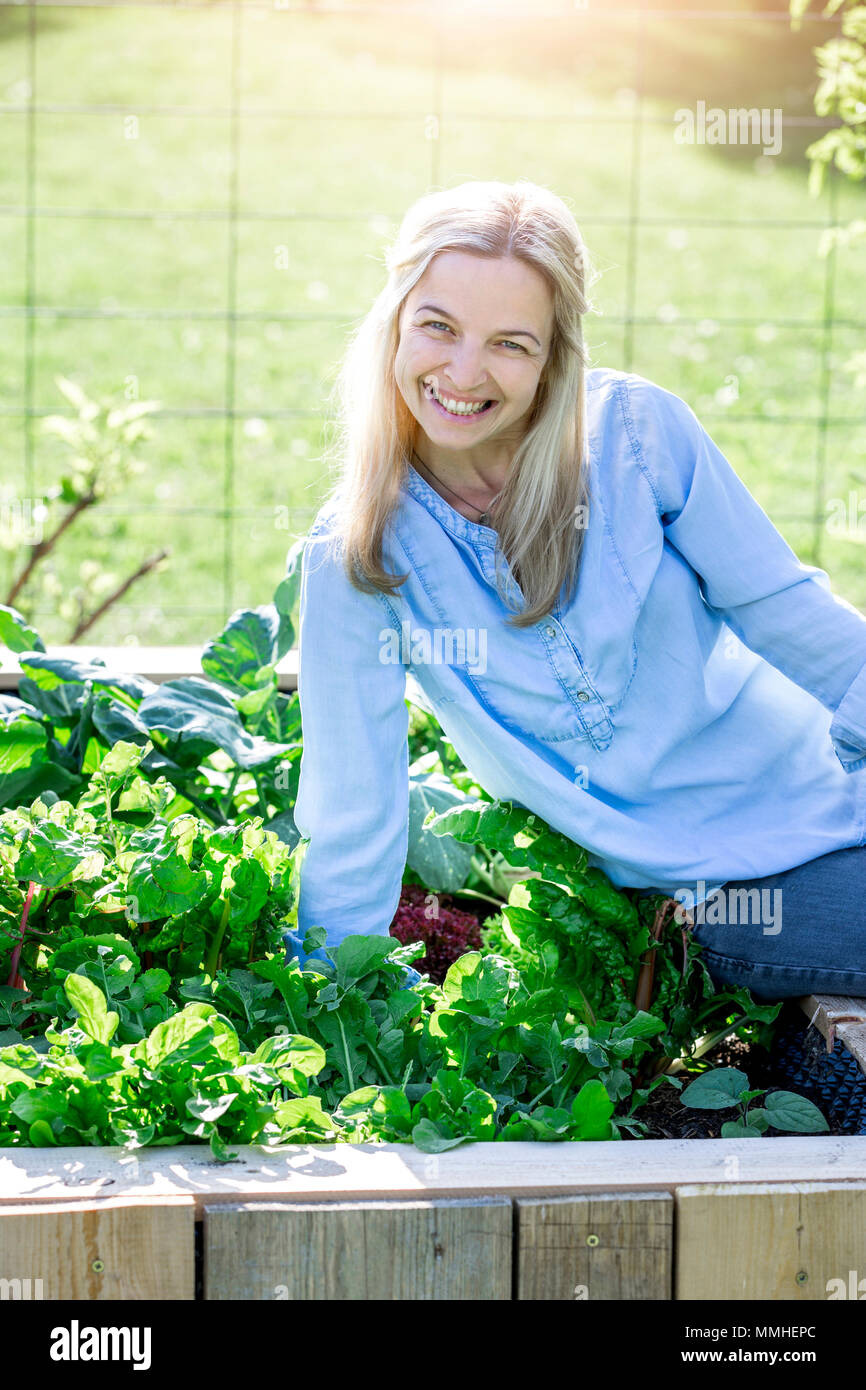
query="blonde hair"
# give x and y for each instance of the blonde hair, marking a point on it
(541, 514)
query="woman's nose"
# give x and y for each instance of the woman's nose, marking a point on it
(465, 368)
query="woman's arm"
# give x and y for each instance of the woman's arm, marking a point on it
(778, 606)
(353, 796)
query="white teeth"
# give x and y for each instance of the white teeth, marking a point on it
(459, 407)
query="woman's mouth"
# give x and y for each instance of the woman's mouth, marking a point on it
(456, 410)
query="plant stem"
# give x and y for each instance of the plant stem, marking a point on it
(482, 872)
(14, 977)
(110, 819)
(537, 1098)
(474, 893)
(704, 1044)
(290, 1015)
(567, 1078)
(349, 1073)
(213, 954)
(227, 803)
(644, 990)
(212, 814)
(385, 1072)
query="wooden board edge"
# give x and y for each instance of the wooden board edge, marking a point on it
(348, 1172)
(839, 1019)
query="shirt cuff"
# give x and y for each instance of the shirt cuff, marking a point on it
(848, 729)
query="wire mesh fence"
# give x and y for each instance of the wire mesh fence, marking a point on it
(367, 106)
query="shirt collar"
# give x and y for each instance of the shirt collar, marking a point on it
(450, 518)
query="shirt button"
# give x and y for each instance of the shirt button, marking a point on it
(550, 630)
(583, 695)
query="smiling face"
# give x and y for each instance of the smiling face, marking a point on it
(474, 329)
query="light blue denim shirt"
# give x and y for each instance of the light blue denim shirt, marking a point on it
(696, 714)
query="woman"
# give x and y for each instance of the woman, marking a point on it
(608, 627)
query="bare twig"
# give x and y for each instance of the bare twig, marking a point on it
(44, 547)
(97, 613)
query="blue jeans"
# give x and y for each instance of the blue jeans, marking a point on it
(800, 931)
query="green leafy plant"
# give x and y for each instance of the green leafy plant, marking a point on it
(578, 939)
(722, 1088)
(229, 745)
(190, 896)
(187, 1080)
(149, 868)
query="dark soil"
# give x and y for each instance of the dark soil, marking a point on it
(667, 1118)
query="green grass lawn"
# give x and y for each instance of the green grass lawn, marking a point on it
(333, 145)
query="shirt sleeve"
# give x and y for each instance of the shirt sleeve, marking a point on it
(353, 790)
(779, 607)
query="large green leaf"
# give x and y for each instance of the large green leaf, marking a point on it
(291, 1051)
(57, 685)
(94, 1016)
(26, 768)
(248, 893)
(787, 1110)
(16, 633)
(246, 644)
(303, 1120)
(11, 708)
(52, 854)
(198, 717)
(591, 1109)
(427, 1137)
(164, 885)
(716, 1090)
(117, 722)
(181, 1037)
(357, 956)
(524, 838)
(478, 979)
(440, 861)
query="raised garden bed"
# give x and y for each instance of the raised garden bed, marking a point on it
(663, 1219)
(672, 1219)
(667, 1218)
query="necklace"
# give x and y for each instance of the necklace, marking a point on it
(484, 514)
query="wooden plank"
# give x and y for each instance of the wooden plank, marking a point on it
(604, 1245)
(762, 1241)
(839, 1018)
(320, 1172)
(364, 1250)
(112, 1248)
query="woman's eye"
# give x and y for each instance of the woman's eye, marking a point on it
(435, 323)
